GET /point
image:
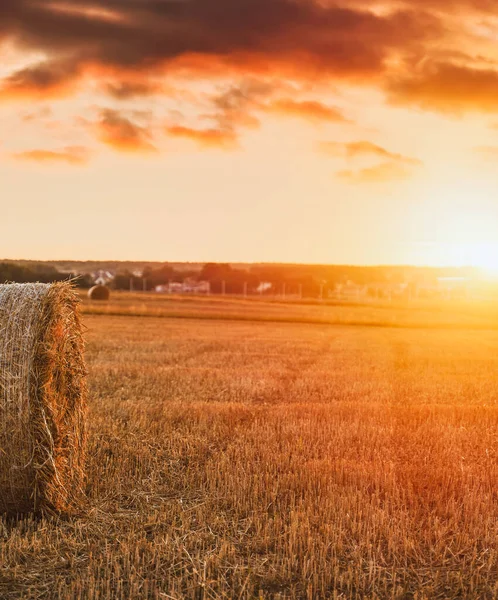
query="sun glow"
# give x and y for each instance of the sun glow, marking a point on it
(482, 255)
(457, 220)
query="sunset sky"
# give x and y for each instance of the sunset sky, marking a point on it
(250, 130)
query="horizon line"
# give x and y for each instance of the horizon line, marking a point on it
(263, 263)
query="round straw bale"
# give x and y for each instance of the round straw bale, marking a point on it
(99, 292)
(42, 398)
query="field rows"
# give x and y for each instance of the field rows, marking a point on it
(246, 460)
(448, 314)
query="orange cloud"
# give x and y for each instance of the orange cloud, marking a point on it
(89, 11)
(41, 81)
(447, 87)
(364, 148)
(207, 138)
(235, 106)
(309, 109)
(446, 6)
(382, 173)
(38, 114)
(127, 90)
(259, 36)
(71, 155)
(123, 135)
(404, 47)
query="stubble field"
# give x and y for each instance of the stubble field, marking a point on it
(260, 459)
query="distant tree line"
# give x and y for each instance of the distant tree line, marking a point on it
(16, 273)
(153, 277)
(307, 280)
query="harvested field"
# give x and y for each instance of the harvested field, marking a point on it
(415, 314)
(233, 459)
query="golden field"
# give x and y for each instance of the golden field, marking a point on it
(259, 450)
(428, 313)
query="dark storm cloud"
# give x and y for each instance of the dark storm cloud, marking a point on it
(264, 34)
(128, 41)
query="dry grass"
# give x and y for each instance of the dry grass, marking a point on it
(265, 460)
(441, 314)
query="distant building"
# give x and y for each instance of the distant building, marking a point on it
(102, 277)
(189, 286)
(169, 288)
(264, 286)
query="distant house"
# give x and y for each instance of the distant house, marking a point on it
(264, 286)
(189, 286)
(169, 288)
(102, 277)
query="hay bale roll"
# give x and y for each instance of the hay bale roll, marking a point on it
(99, 292)
(42, 398)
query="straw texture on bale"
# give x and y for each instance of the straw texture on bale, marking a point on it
(42, 399)
(99, 292)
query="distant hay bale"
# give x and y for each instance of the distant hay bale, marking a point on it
(42, 398)
(99, 292)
